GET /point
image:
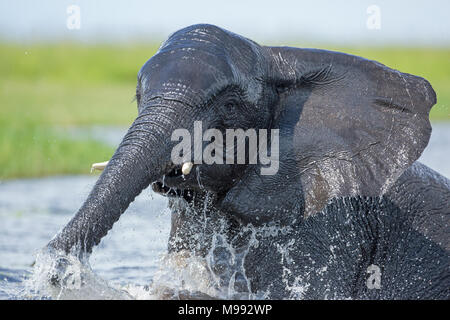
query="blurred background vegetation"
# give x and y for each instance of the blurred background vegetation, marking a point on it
(46, 88)
(70, 65)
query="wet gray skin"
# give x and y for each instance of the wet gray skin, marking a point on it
(348, 193)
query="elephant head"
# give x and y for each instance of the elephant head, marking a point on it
(347, 126)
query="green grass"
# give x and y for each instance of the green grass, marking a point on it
(47, 87)
(43, 87)
(39, 151)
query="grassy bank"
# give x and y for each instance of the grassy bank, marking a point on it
(43, 87)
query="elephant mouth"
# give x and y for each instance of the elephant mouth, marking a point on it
(168, 186)
(164, 190)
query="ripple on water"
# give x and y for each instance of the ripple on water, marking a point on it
(32, 211)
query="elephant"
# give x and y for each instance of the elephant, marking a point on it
(349, 213)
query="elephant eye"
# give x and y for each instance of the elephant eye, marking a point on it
(231, 103)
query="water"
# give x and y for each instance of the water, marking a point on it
(402, 22)
(33, 211)
(132, 255)
(437, 152)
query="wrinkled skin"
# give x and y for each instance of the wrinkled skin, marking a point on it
(348, 193)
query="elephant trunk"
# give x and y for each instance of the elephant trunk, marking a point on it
(141, 159)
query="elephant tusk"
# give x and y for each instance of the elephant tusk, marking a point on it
(186, 168)
(99, 166)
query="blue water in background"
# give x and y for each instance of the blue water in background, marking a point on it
(32, 211)
(402, 22)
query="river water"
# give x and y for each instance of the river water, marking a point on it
(132, 254)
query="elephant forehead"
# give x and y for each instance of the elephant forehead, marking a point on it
(179, 72)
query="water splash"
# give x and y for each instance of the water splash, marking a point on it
(60, 276)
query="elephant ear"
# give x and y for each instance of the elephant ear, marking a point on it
(357, 124)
